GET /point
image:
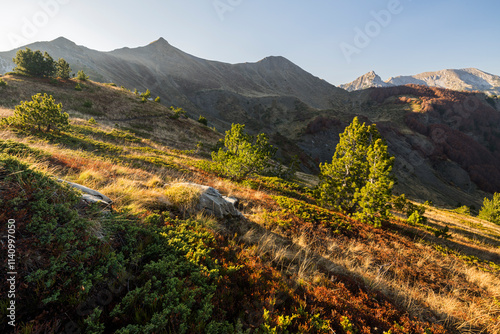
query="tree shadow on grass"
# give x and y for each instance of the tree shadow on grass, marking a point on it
(298, 261)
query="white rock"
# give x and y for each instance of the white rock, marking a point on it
(90, 195)
(213, 203)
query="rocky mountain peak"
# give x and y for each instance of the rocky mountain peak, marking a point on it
(160, 42)
(274, 59)
(63, 42)
(275, 62)
(467, 79)
(368, 80)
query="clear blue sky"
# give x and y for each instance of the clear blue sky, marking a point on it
(416, 36)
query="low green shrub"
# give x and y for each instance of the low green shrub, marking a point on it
(203, 120)
(82, 76)
(19, 149)
(177, 113)
(416, 219)
(347, 326)
(401, 204)
(463, 210)
(278, 185)
(443, 233)
(314, 214)
(117, 273)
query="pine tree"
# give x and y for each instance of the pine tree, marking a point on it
(347, 173)
(358, 180)
(48, 66)
(34, 63)
(63, 69)
(203, 120)
(243, 154)
(42, 112)
(82, 76)
(373, 199)
(491, 209)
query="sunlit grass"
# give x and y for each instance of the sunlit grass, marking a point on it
(184, 196)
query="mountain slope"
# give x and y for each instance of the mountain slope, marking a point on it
(154, 263)
(446, 143)
(468, 79)
(177, 76)
(266, 96)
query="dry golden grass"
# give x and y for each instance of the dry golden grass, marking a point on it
(184, 196)
(4, 112)
(483, 230)
(130, 194)
(419, 279)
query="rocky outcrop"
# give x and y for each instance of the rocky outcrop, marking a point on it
(89, 195)
(213, 203)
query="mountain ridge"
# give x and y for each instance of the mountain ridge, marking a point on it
(168, 61)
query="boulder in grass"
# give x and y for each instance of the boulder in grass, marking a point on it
(89, 195)
(211, 201)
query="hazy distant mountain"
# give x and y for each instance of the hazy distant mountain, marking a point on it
(468, 79)
(369, 80)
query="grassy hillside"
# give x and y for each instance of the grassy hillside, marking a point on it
(150, 264)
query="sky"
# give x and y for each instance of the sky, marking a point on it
(332, 39)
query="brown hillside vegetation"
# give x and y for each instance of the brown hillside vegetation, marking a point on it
(461, 127)
(286, 266)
